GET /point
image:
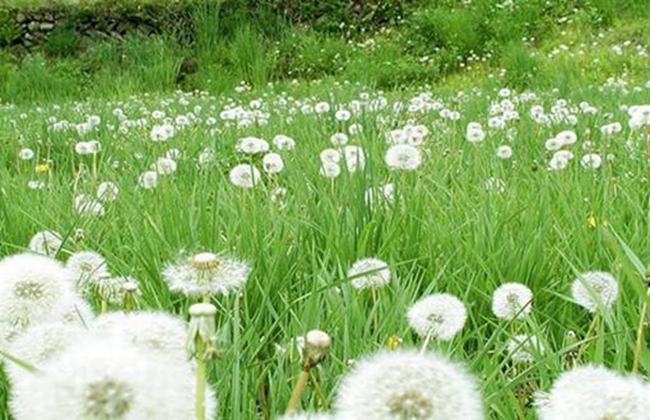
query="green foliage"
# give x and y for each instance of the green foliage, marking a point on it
(309, 55)
(62, 42)
(9, 29)
(521, 65)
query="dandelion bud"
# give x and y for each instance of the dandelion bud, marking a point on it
(131, 296)
(316, 348)
(201, 342)
(79, 235)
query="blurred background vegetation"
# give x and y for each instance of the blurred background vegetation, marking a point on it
(388, 44)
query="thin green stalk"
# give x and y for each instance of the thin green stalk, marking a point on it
(298, 389)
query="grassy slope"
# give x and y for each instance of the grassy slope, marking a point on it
(446, 234)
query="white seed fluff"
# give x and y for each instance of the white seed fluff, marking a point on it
(594, 288)
(512, 300)
(407, 385)
(596, 393)
(369, 273)
(440, 316)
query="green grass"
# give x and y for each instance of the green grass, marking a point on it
(445, 233)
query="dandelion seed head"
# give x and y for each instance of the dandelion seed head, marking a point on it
(369, 273)
(106, 379)
(150, 331)
(32, 287)
(206, 273)
(440, 316)
(512, 301)
(46, 242)
(592, 288)
(245, 176)
(407, 385)
(403, 157)
(524, 349)
(592, 392)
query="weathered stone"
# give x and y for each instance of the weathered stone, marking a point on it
(33, 26)
(20, 18)
(47, 26)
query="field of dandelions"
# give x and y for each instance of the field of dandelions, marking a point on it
(341, 254)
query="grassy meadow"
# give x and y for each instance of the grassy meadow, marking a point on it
(475, 213)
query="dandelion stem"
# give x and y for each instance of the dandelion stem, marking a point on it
(427, 339)
(298, 389)
(236, 341)
(104, 307)
(593, 327)
(375, 298)
(200, 381)
(640, 334)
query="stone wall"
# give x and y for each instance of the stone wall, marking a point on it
(27, 29)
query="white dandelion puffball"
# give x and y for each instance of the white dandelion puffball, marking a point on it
(512, 301)
(591, 161)
(330, 156)
(107, 191)
(46, 242)
(440, 316)
(164, 166)
(330, 170)
(87, 268)
(206, 273)
(403, 157)
(252, 146)
(596, 393)
(244, 176)
(594, 288)
(106, 379)
(369, 273)
(161, 133)
(355, 158)
(407, 385)
(40, 344)
(566, 138)
(32, 288)
(523, 348)
(339, 139)
(282, 142)
(148, 180)
(504, 152)
(152, 332)
(272, 163)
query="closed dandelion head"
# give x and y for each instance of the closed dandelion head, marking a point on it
(206, 273)
(407, 385)
(512, 301)
(315, 348)
(106, 379)
(594, 288)
(46, 242)
(440, 316)
(32, 287)
(591, 392)
(524, 349)
(368, 273)
(87, 268)
(114, 289)
(151, 332)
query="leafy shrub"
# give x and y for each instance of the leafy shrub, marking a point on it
(9, 29)
(522, 67)
(62, 42)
